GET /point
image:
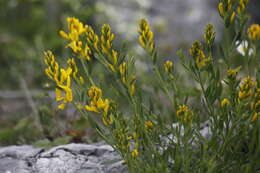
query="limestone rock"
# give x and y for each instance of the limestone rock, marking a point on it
(70, 158)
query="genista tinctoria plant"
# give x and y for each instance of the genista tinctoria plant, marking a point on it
(227, 97)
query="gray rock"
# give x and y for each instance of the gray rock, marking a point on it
(71, 158)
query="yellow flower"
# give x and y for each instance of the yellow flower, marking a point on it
(68, 93)
(52, 69)
(76, 46)
(122, 68)
(107, 120)
(92, 38)
(221, 9)
(224, 7)
(185, 114)
(106, 39)
(76, 28)
(71, 63)
(255, 117)
(103, 104)
(91, 108)
(253, 32)
(241, 6)
(122, 71)
(85, 53)
(229, 4)
(97, 103)
(232, 17)
(95, 93)
(62, 106)
(135, 153)
(132, 89)
(209, 35)
(61, 77)
(146, 36)
(168, 66)
(58, 94)
(232, 73)
(195, 49)
(64, 35)
(202, 61)
(225, 102)
(246, 88)
(256, 105)
(114, 56)
(81, 79)
(148, 124)
(198, 55)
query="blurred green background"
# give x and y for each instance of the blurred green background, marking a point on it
(27, 28)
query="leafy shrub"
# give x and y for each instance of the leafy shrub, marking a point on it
(157, 127)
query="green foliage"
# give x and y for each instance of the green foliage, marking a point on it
(25, 31)
(157, 126)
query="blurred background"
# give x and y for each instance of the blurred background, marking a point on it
(29, 27)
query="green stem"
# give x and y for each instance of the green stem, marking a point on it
(210, 110)
(87, 72)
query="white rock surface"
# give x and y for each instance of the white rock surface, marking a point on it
(71, 158)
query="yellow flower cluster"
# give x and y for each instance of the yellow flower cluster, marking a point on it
(184, 114)
(71, 63)
(168, 66)
(76, 29)
(107, 38)
(92, 38)
(255, 106)
(229, 8)
(198, 55)
(61, 77)
(253, 32)
(128, 81)
(225, 10)
(98, 104)
(247, 88)
(146, 39)
(209, 35)
(241, 6)
(249, 91)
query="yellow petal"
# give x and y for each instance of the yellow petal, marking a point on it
(69, 97)
(62, 106)
(63, 34)
(58, 94)
(91, 108)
